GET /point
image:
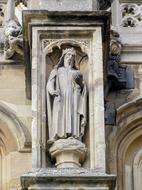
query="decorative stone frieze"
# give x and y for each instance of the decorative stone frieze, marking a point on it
(51, 43)
(131, 14)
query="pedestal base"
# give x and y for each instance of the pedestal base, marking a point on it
(69, 153)
(67, 179)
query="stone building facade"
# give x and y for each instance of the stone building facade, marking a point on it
(114, 45)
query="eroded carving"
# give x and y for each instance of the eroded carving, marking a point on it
(119, 77)
(13, 39)
(116, 72)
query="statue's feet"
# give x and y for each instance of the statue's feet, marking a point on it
(50, 141)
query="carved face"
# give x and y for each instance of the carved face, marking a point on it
(69, 59)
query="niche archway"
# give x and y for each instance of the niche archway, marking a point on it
(14, 138)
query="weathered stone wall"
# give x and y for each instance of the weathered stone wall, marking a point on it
(15, 126)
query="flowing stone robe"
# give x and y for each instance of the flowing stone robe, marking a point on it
(66, 104)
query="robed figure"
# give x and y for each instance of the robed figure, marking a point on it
(66, 99)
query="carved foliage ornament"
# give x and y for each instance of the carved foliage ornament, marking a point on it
(50, 43)
(131, 14)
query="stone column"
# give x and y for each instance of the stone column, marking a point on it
(116, 14)
(97, 127)
(10, 10)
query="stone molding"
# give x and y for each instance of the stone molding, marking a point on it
(74, 179)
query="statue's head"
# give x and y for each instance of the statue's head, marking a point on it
(68, 58)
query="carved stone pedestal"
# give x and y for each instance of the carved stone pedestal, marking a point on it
(67, 179)
(69, 153)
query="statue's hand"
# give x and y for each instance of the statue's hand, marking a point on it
(79, 81)
(78, 78)
(56, 93)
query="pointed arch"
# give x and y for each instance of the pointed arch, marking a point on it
(12, 127)
(125, 141)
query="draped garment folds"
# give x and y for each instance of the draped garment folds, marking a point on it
(66, 104)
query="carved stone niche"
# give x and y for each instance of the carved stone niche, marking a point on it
(67, 151)
(46, 35)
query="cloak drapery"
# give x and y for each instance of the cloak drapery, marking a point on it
(66, 104)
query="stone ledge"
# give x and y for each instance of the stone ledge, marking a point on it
(67, 179)
(68, 172)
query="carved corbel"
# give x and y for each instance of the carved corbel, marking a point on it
(119, 76)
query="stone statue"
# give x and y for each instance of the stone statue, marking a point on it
(66, 99)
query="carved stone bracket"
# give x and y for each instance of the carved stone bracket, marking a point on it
(117, 73)
(69, 153)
